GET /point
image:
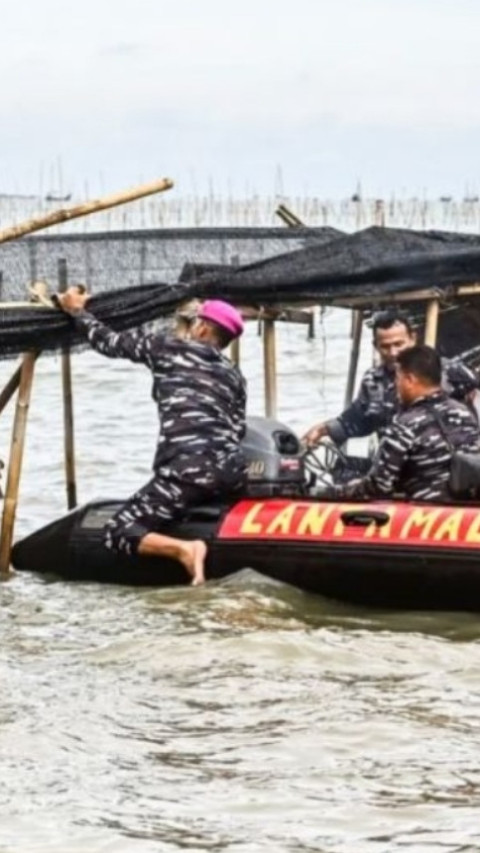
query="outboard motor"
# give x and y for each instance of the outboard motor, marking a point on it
(274, 459)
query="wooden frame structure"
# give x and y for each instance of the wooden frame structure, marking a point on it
(22, 381)
(22, 378)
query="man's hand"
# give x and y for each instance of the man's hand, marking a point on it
(313, 436)
(73, 300)
(350, 489)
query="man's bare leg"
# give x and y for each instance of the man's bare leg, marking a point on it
(190, 554)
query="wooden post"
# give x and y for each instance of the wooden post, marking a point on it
(431, 322)
(9, 389)
(235, 351)
(69, 442)
(58, 216)
(269, 368)
(357, 326)
(235, 345)
(311, 324)
(15, 463)
(293, 221)
(288, 216)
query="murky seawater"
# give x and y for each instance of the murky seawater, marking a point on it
(242, 716)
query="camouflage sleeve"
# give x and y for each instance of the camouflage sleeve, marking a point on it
(383, 478)
(135, 345)
(239, 415)
(355, 421)
(461, 380)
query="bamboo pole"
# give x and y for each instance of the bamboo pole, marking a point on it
(16, 457)
(357, 326)
(235, 345)
(431, 322)
(311, 324)
(235, 352)
(288, 216)
(9, 389)
(67, 394)
(14, 306)
(269, 367)
(65, 214)
(293, 221)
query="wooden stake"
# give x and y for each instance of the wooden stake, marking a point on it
(293, 221)
(235, 345)
(9, 389)
(235, 351)
(67, 393)
(15, 463)
(57, 216)
(431, 322)
(288, 216)
(269, 368)
(311, 324)
(357, 326)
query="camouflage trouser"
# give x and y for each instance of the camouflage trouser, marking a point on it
(148, 510)
(187, 482)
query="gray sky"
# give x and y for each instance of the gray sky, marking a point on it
(319, 93)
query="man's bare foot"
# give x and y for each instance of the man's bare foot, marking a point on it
(194, 560)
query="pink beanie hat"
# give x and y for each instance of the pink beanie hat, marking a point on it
(223, 314)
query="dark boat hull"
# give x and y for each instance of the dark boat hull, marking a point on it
(72, 547)
(383, 555)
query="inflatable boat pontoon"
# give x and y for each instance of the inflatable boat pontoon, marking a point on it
(387, 554)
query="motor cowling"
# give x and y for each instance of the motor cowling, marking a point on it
(274, 459)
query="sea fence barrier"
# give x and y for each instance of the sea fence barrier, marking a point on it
(209, 211)
(110, 260)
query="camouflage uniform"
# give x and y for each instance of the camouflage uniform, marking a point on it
(413, 459)
(377, 401)
(201, 401)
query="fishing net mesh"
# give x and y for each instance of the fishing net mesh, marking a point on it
(138, 276)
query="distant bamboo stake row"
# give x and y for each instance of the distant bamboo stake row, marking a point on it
(65, 214)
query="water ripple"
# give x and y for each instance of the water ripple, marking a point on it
(244, 716)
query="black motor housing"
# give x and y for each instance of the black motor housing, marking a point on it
(274, 459)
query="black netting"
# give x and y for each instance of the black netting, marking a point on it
(325, 266)
(50, 329)
(129, 258)
(370, 263)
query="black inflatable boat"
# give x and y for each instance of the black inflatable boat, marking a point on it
(387, 554)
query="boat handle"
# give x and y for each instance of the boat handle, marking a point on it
(363, 518)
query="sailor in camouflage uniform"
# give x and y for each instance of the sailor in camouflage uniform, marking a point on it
(201, 401)
(377, 401)
(413, 459)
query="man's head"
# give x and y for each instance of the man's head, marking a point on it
(217, 323)
(418, 373)
(392, 333)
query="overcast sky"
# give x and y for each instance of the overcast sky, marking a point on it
(258, 95)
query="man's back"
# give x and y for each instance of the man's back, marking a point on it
(417, 451)
(200, 394)
(377, 401)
